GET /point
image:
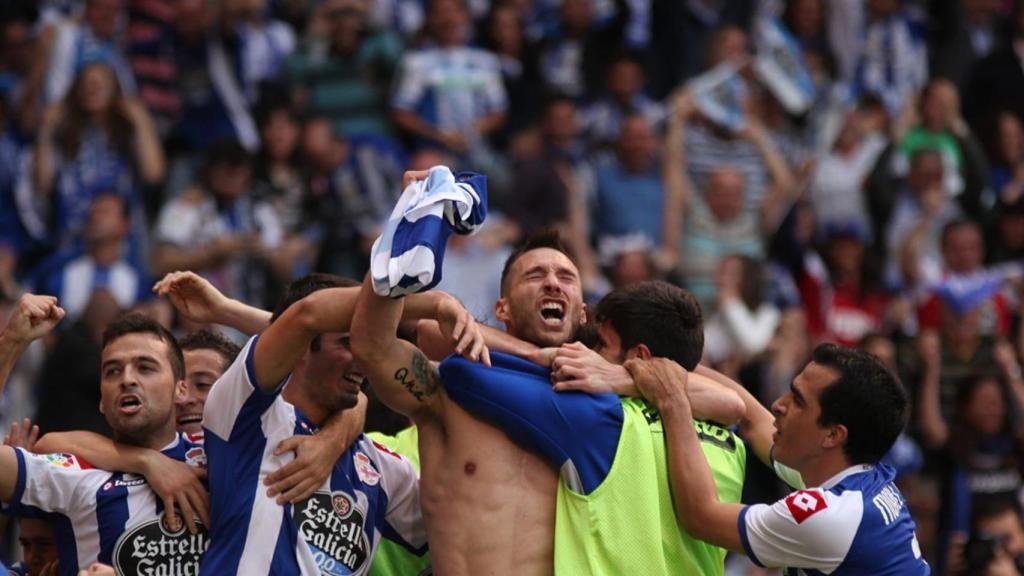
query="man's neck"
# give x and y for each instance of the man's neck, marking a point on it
(296, 395)
(157, 441)
(821, 470)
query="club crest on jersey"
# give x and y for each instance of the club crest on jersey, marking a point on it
(805, 503)
(332, 524)
(365, 469)
(152, 548)
(196, 457)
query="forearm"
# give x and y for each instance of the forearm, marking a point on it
(489, 123)
(43, 166)
(413, 124)
(430, 339)
(100, 451)
(169, 258)
(343, 428)
(148, 152)
(933, 425)
(757, 425)
(693, 488)
(712, 401)
(677, 186)
(243, 317)
(10, 350)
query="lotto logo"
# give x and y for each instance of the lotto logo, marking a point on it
(804, 504)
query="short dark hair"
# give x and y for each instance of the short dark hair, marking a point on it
(545, 238)
(299, 289)
(225, 152)
(135, 323)
(866, 398)
(665, 318)
(955, 225)
(205, 339)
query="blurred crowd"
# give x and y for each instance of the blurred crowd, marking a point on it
(847, 171)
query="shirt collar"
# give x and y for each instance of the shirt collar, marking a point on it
(835, 480)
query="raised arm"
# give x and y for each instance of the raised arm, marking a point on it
(697, 506)
(678, 188)
(33, 317)
(934, 428)
(780, 195)
(173, 481)
(757, 424)
(199, 301)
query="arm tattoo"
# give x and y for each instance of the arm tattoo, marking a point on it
(420, 379)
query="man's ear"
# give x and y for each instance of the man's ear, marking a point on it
(101, 407)
(501, 311)
(640, 351)
(836, 436)
(180, 391)
(583, 314)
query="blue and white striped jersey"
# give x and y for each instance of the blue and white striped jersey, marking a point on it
(109, 517)
(856, 523)
(371, 492)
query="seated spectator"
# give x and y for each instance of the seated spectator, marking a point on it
(97, 141)
(218, 229)
(16, 44)
(996, 544)
(1008, 243)
(345, 70)
(104, 264)
(624, 97)
(630, 196)
(449, 94)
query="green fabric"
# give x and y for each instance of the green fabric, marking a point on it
(922, 139)
(392, 559)
(628, 524)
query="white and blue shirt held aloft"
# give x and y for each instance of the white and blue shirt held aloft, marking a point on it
(407, 256)
(109, 517)
(857, 523)
(371, 493)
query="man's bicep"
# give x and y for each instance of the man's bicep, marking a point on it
(405, 380)
(807, 529)
(11, 469)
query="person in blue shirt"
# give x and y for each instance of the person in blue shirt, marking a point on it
(841, 416)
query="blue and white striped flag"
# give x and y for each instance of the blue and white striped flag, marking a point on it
(407, 256)
(963, 292)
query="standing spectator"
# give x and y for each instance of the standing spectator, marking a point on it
(449, 93)
(837, 183)
(894, 58)
(16, 43)
(504, 35)
(997, 82)
(264, 44)
(345, 70)
(151, 40)
(218, 228)
(963, 33)
(1007, 158)
(723, 218)
(744, 322)
(98, 141)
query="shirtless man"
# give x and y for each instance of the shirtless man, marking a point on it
(489, 505)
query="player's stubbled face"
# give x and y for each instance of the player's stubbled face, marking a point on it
(202, 368)
(544, 303)
(137, 386)
(332, 363)
(798, 436)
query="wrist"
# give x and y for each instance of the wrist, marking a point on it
(16, 343)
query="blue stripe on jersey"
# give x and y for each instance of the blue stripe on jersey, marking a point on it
(111, 515)
(285, 560)
(231, 472)
(19, 486)
(742, 522)
(64, 538)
